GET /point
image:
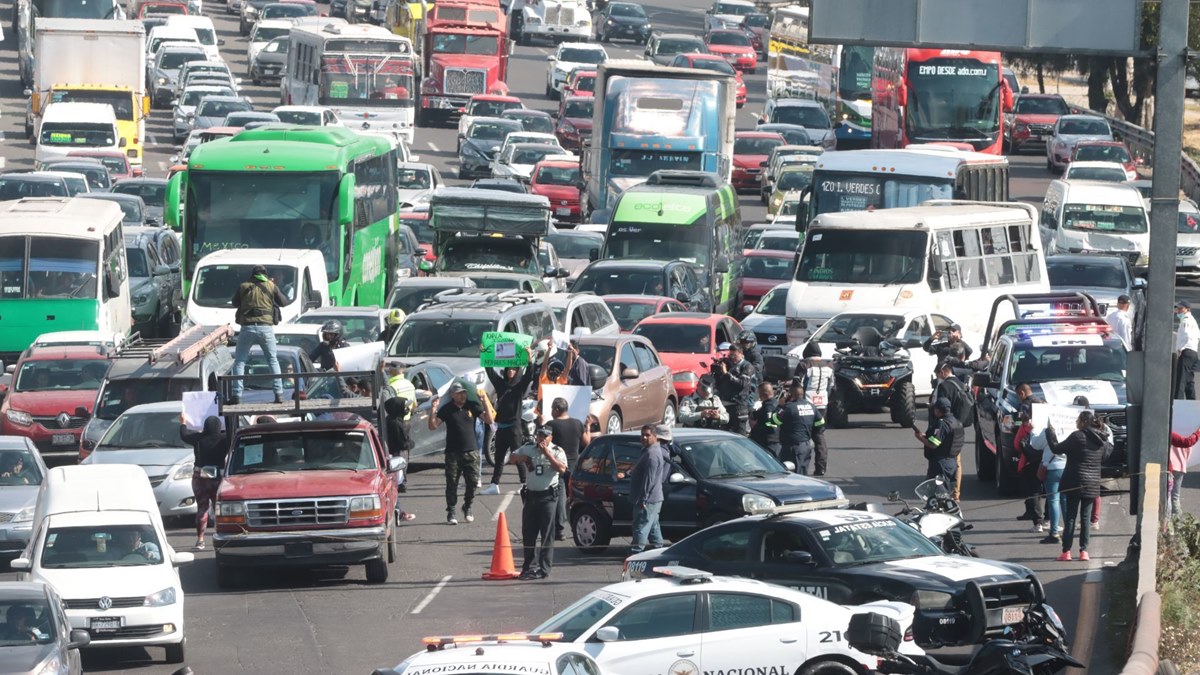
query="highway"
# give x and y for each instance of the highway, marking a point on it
(334, 622)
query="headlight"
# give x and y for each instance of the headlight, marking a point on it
(160, 599)
(932, 600)
(184, 472)
(610, 22)
(24, 515)
(838, 494)
(753, 504)
(403, 273)
(163, 81)
(365, 506)
(52, 667)
(231, 508)
(471, 151)
(1022, 127)
(141, 298)
(897, 372)
(19, 418)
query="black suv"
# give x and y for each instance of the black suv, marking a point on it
(716, 476)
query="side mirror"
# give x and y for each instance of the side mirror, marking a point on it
(682, 298)
(724, 347)
(893, 496)
(798, 557)
(562, 273)
(1139, 283)
(81, 411)
(549, 57)
(221, 42)
(182, 558)
(20, 564)
(763, 165)
(746, 309)
(345, 204)
(174, 102)
(397, 464)
(599, 375)
(789, 465)
(608, 634)
(421, 252)
(629, 373)
(423, 396)
(1025, 89)
(982, 380)
(10, 368)
(79, 638)
(161, 270)
(678, 478)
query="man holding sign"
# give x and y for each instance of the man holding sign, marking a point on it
(511, 390)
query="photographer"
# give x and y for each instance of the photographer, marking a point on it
(948, 346)
(735, 378)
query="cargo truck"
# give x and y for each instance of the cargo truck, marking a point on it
(92, 61)
(653, 118)
(27, 13)
(465, 51)
(552, 20)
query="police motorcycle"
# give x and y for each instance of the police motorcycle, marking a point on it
(869, 373)
(1036, 645)
(940, 519)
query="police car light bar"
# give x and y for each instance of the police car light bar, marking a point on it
(684, 574)
(783, 509)
(436, 642)
(1059, 329)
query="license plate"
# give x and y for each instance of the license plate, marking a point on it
(1012, 615)
(770, 350)
(62, 439)
(562, 211)
(105, 624)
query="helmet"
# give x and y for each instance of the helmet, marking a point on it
(395, 317)
(747, 338)
(812, 350)
(332, 326)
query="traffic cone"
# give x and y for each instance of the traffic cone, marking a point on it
(502, 560)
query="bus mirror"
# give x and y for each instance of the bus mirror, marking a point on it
(935, 272)
(802, 218)
(171, 201)
(721, 265)
(346, 200)
(112, 278)
(123, 142)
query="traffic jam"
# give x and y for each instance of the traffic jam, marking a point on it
(593, 298)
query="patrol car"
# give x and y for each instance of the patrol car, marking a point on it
(1060, 356)
(852, 557)
(511, 654)
(686, 622)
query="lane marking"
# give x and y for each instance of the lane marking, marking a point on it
(3, 161)
(503, 505)
(431, 595)
(434, 147)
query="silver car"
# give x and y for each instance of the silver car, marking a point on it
(148, 435)
(21, 474)
(184, 116)
(36, 637)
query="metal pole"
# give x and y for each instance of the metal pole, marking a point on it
(1168, 142)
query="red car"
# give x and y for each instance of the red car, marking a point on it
(734, 46)
(628, 310)
(716, 64)
(750, 150)
(1106, 151)
(574, 121)
(418, 219)
(689, 343)
(1032, 119)
(762, 270)
(580, 83)
(51, 398)
(114, 160)
(558, 180)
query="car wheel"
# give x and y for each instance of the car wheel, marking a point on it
(668, 416)
(827, 668)
(377, 570)
(1049, 164)
(391, 540)
(985, 465)
(590, 529)
(1007, 481)
(836, 413)
(615, 424)
(903, 406)
(176, 653)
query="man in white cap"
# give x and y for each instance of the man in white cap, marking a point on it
(544, 461)
(646, 491)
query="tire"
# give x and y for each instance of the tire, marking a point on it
(610, 428)
(669, 417)
(827, 668)
(177, 653)
(377, 570)
(903, 405)
(1008, 484)
(985, 465)
(1049, 164)
(549, 91)
(836, 413)
(391, 542)
(590, 529)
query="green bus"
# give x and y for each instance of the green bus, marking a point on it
(682, 215)
(294, 187)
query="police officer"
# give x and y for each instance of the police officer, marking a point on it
(943, 442)
(735, 382)
(764, 427)
(801, 429)
(703, 408)
(399, 398)
(544, 462)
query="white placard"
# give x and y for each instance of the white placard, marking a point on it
(1063, 418)
(579, 400)
(1185, 419)
(561, 340)
(359, 357)
(197, 407)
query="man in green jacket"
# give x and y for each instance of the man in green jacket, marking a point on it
(257, 301)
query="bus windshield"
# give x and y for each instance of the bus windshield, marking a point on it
(854, 78)
(1104, 218)
(217, 284)
(658, 241)
(838, 192)
(630, 162)
(857, 257)
(261, 210)
(953, 99)
(367, 81)
(56, 267)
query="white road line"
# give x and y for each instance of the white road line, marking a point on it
(3, 161)
(434, 147)
(503, 505)
(431, 595)
(152, 138)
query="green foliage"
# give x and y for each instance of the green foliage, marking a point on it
(1179, 586)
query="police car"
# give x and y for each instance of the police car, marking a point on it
(1060, 358)
(687, 622)
(511, 654)
(850, 557)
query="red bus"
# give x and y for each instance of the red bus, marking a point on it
(946, 96)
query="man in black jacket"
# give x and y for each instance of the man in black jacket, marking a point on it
(943, 442)
(735, 382)
(511, 390)
(210, 445)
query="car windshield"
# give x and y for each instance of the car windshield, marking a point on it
(153, 194)
(413, 179)
(729, 9)
(617, 281)
(756, 21)
(61, 375)
(575, 246)
(175, 60)
(731, 39)
(27, 621)
(143, 430)
(679, 46)
(19, 467)
(1189, 222)
(1088, 152)
(241, 119)
(131, 211)
(1079, 127)
(101, 546)
(623, 9)
(774, 303)
(762, 267)
(114, 163)
(841, 328)
(578, 55)
(678, 338)
(542, 124)
(121, 395)
(532, 155)
(773, 241)
(872, 541)
(858, 257)
(716, 65)
(808, 116)
(729, 458)
(1104, 218)
(307, 451)
(16, 187)
(628, 314)
(480, 45)
(78, 134)
(268, 33)
(578, 109)
(303, 117)
(216, 284)
(192, 97)
(1080, 275)
(1045, 364)
(481, 255)
(603, 356)
(207, 36)
(440, 337)
(490, 131)
(575, 620)
(558, 175)
(795, 179)
(1110, 175)
(220, 108)
(355, 329)
(789, 207)
(491, 108)
(409, 298)
(752, 145)
(287, 11)
(257, 365)
(1040, 106)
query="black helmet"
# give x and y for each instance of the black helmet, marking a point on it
(333, 326)
(747, 338)
(812, 349)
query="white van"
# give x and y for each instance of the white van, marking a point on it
(164, 34)
(99, 540)
(67, 127)
(206, 33)
(1084, 216)
(299, 274)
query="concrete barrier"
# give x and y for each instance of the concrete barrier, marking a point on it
(1143, 656)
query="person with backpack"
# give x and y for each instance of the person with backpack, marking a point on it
(962, 404)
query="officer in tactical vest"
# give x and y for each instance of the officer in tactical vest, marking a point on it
(257, 301)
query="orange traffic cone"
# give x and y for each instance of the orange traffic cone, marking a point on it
(502, 560)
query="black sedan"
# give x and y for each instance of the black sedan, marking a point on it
(715, 476)
(477, 148)
(623, 276)
(852, 557)
(622, 21)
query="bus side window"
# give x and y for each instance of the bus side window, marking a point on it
(970, 261)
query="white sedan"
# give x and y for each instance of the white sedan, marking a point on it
(308, 115)
(517, 161)
(568, 57)
(691, 622)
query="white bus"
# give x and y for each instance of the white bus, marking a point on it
(862, 180)
(366, 73)
(949, 257)
(62, 268)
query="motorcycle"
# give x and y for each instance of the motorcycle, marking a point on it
(941, 518)
(868, 374)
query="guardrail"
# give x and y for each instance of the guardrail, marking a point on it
(1143, 657)
(1141, 145)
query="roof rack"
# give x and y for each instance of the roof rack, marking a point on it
(300, 404)
(184, 349)
(465, 294)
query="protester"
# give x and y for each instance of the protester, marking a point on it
(511, 390)
(545, 463)
(210, 445)
(580, 375)
(571, 436)
(646, 489)
(1108, 448)
(1084, 450)
(817, 375)
(459, 416)
(1052, 467)
(1029, 465)
(257, 301)
(943, 442)
(1177, 462)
